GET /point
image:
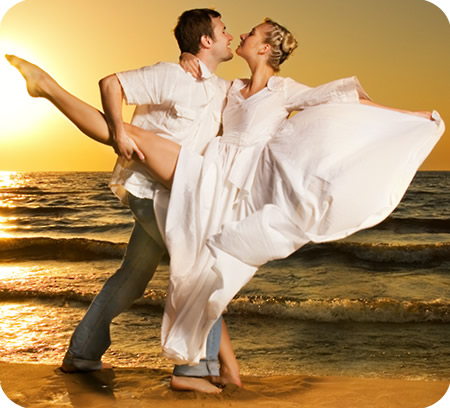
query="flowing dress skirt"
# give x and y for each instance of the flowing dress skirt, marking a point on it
(330, 171)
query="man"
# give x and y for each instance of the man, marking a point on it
(173, 104)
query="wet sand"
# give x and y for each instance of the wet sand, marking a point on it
(33, 385)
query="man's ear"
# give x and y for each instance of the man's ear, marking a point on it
(206, 41)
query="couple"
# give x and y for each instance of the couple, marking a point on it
(259, 192)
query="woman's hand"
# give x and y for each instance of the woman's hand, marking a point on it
(423, 114)
(190, 64)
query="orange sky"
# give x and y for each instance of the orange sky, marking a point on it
(399, 49)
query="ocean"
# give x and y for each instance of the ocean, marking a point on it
(376, 304)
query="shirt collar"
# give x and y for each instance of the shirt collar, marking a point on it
(275, 84)
(206, 74)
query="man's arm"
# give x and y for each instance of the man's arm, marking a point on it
(112, 98)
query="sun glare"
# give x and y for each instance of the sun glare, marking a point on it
(18, 111)
(11, 179)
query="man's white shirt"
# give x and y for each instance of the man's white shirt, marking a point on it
(171, 103)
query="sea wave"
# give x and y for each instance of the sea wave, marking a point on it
(152, 298)
(394, 253)
(415, 225)
(71, 229)
(27, 212)
(80, 249)
(381, 310)
(37, 211)
(335, 310)
(380, 253)
(70, 249)
(21, 190)
(36, 191)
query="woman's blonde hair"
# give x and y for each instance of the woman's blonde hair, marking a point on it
(282, 43)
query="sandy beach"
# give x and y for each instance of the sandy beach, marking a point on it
(32, 385)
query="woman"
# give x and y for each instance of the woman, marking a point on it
(259, 193)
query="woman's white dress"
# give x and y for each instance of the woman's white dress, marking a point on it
(270, 185)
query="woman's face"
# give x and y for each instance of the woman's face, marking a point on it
(252, 42)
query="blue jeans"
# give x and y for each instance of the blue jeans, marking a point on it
(145, 249)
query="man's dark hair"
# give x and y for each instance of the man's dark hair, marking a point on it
(192, 25)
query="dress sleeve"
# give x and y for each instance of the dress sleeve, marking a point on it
(140, 86)
(346, 90)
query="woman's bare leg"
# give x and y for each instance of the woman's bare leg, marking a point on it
(161, 155)
(40, 84)
(229, 370)
(229, 367)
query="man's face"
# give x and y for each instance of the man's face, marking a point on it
(222, 41)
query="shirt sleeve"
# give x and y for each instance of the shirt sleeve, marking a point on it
(140, 86)
(346, 90)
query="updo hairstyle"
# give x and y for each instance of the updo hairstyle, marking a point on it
(282, 43)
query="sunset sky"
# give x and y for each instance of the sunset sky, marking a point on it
(399, 49)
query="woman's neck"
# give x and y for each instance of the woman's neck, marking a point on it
(259, 79)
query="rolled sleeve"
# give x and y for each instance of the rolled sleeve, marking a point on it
(346, 90)
(139, 86)
(352, 84)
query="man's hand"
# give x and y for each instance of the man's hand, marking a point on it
(112, 98)
(125, 147)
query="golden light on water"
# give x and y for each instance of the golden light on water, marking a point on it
(8, 179)
(12, 179)
(4, 227)
(14, 273)
(14, 319)
(24, 329)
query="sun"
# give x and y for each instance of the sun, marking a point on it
(20, 114)
(12, 95)
(18, 111)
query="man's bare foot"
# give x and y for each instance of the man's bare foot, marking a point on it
(36, 78)
(179, 383)
(70, 369)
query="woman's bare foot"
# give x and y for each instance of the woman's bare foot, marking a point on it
(37, 79)
(227, 376)
(229, 366)
(179, 383)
